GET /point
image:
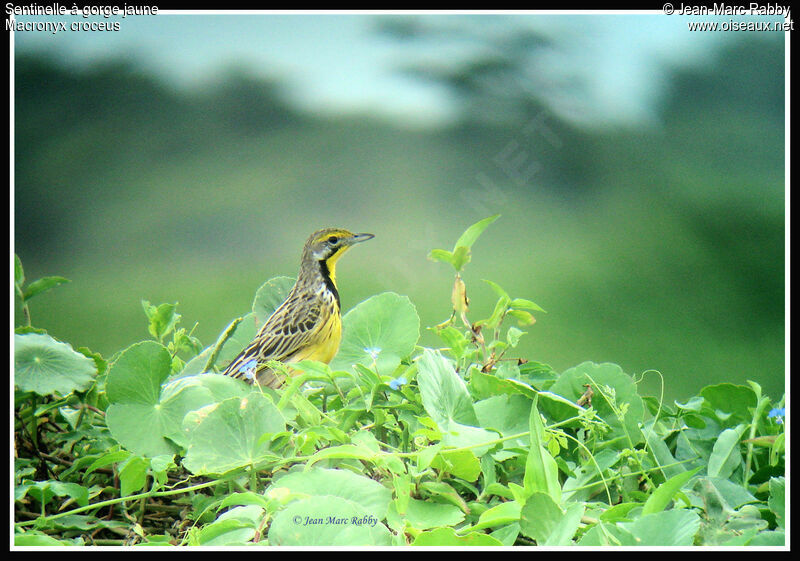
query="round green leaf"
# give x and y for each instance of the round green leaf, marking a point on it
(270, 295)
(383, 330)
(137, 400)
(230, 435)
(136, 376)
(371, 496)
(326, 521)
(46, 366)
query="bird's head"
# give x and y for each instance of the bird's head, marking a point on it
(328, 245)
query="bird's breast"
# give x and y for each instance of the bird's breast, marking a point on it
(326, 342)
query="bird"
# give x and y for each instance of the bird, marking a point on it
(308, 324)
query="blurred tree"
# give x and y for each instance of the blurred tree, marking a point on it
(494, 77)
(76, 130)
(503, 90)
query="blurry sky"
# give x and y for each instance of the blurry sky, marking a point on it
(337, 62)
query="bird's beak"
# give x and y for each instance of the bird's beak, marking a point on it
(358, 238)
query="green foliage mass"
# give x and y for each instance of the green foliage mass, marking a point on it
(392, 444)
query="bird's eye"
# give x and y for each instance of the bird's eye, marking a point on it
(332, 240)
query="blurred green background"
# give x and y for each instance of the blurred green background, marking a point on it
(639, 174)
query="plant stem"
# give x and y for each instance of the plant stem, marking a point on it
(221, 341)
(111, 502)
(753, 427)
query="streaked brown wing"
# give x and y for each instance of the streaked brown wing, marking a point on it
(288, 329)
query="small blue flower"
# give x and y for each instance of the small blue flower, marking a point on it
(397, 382)
(373, 352)
(249, 369)
(778, 414)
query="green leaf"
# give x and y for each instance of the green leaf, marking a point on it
(42, 285)
(726, 455)
(454, 339)
(225, 532)
(472, 233)
(383, 330)
(565, 530)
(44, 491)
(461, 256)
(498, 313)
(604, 534)
(661, 497)
(448, 537)
(444, 492)
(497, 289)
(508, 414)
(327, 521)
(372, 497)
(162, 318)
(133, 388)
(444, 394)
(46, 366)
(522, 304)
(441, 255)
(133, 476)
(460, 463)
(522, 317)
(447, 401)
(485, 385)
(345, 451)
(732, 493)
(244, 333)
(137, 399)
(19, 274)
(245, 499)
(777, 500)
(513, 336)
(499, 515)
(540, 516)
(33, 539)
(424, 515)
(107, 459)
(541, 471)
(730, 403)
(21, 315)
(676, 527)
(136, 376)
(507, 535)
(662, 453)
(269, 296)
(231, 435)
(769, 538)
(184, 395)
(623, 410)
